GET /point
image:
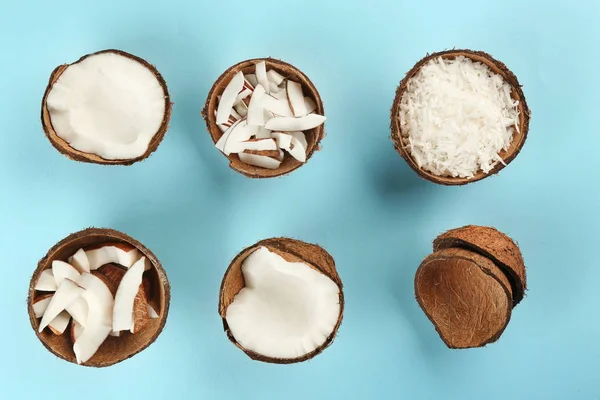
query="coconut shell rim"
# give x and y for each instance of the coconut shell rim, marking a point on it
(272, 243)
(63, 146)
(436, 255)
(507, 75)
(110, 234)
(215, 133)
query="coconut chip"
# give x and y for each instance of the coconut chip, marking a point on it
(263, 114)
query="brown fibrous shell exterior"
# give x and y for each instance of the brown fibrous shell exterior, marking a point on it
(517, 93)
(63, 147)
(313, 136)
(466, 288)
(114, 349)
(293, 251)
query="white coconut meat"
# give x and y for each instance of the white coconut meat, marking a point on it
(456, 116)
(109, 105)
(286, 310)
(46, 282)
(125, 297)
(66, 294)
(99, 320)
(62, 270)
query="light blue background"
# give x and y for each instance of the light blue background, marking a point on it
(356, 197)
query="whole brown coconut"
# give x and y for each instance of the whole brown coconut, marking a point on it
(313, 136)
(114, 349)
(519, 136)
(293, 251)
(62, 146)
(470, 284)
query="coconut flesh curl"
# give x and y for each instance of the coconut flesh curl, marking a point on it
(109, 105)
(286, 310)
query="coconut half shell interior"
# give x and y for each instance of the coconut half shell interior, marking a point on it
(313, 136)
(63, 146)
(114, 349)
(465, 295)
(516, 93)
(292, 251)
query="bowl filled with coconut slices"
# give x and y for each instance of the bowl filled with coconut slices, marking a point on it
(98, 297)
(265, 116)
(459, 116)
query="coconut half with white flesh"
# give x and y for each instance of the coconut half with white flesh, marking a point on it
(108, 107)
(281, 301)
(269, 100)
(95, 345)
(468, 105)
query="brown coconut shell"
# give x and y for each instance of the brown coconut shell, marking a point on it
(62, 146)
(516, 93)
(114, 349)
(293, 251)
(313, 136)
(466, 297)
(493, 244)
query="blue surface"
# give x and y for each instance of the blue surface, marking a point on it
(356, 197)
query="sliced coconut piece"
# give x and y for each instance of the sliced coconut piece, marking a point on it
(275, 77)
(300, 137)
(286, 309)
(296, 98)
(261, 75)
(251, 78)
(78, 310)
(108, 104)
(80, 261)
(76, 331)
(152, 312)
(225, 137)
(120, 253)
(259, 144)
(242, 95)
(241, 109)
(62, 270)
(288, 124)
(310, 105)
(273, 88)
(262, 133)
(126, 293)
(66, 293)
(59, 324)
(242, 133)
(46, 282)
(267, 153)
(255, 109)
(283, 139)
(280, 107)
(41, 304)
(259, 161)
(281, 95)
(228, 97)
(98, 322)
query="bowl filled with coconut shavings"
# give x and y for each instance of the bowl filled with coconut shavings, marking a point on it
(459, 116)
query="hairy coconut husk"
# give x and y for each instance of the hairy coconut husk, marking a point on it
(313, 136)
(114, 349)
(517, 94)
(293, 251)
(62, 146)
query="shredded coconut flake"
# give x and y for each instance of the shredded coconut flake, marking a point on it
(456, 116)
